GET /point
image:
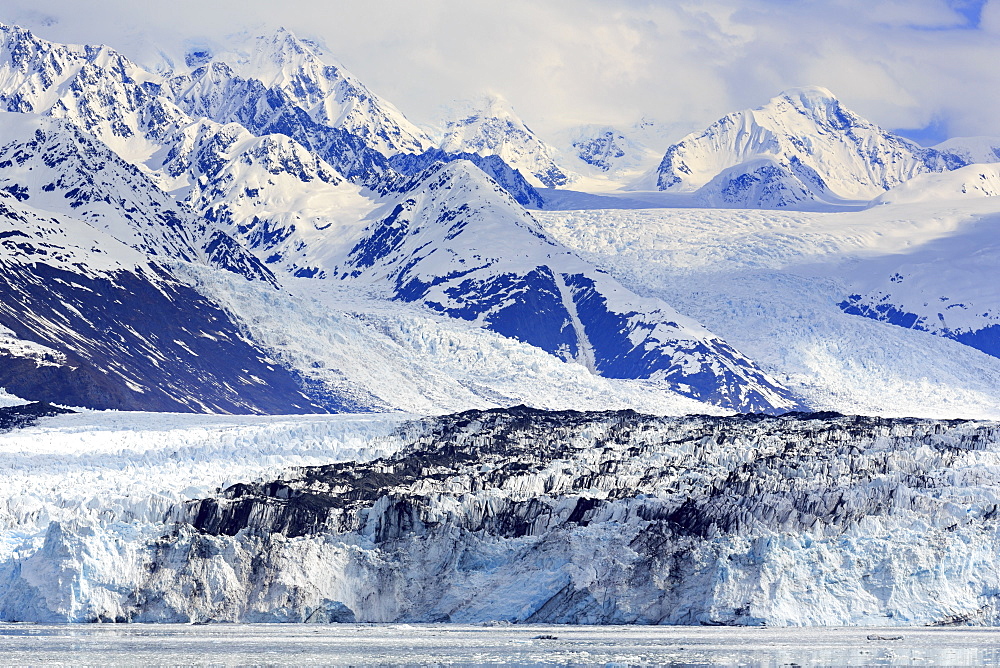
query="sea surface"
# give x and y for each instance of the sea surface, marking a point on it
(460, 645)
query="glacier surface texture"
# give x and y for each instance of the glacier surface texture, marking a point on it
(511, 515)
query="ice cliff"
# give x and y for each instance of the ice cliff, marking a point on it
(561, 517)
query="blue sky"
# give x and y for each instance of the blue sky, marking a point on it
(925, 67)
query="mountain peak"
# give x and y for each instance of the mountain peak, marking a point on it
(476, 109)
(808, 97)
(285, 44)
(812, 147)
(493, 103)
(302, 77)
(488, 125)
(817, 104)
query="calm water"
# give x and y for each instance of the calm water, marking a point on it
(456, 645)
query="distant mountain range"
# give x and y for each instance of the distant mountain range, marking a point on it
(275, 164)
(121, 187)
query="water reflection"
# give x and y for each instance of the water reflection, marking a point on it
(456, 645)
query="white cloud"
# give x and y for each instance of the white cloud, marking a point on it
(559, 62)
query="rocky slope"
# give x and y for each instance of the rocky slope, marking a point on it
(460, 245)
(89, 321)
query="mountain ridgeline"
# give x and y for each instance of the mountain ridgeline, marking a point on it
(270, 161)
(274, 163)
(804, 146)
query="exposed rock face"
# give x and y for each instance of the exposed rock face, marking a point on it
(524, 515)
(178, 352)
(16, 417)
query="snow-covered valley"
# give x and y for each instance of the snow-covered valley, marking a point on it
(774, 283)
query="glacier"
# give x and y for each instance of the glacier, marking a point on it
(777, 284)
(506, 515)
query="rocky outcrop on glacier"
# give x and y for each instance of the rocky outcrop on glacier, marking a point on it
(18, 417)
(802, 146)
(458, 243)
(564, 517)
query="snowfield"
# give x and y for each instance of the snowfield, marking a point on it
(771, 283)
(113, 468)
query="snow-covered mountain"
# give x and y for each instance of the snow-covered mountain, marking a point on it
(93, 87)
(269, 192)
(216, 92)
(607, 149)
(138, 113)
(54, 166)
(314, 81)
(506, 176)
(489, 126)
(90, 321)
(974, 180)
(618, 153)
(461, 245)
(970, 150)
(237, 162)
(244, 167)
(802, 146)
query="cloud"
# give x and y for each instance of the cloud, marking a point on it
(903, 64)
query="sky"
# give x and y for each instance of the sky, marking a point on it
(926, 68)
